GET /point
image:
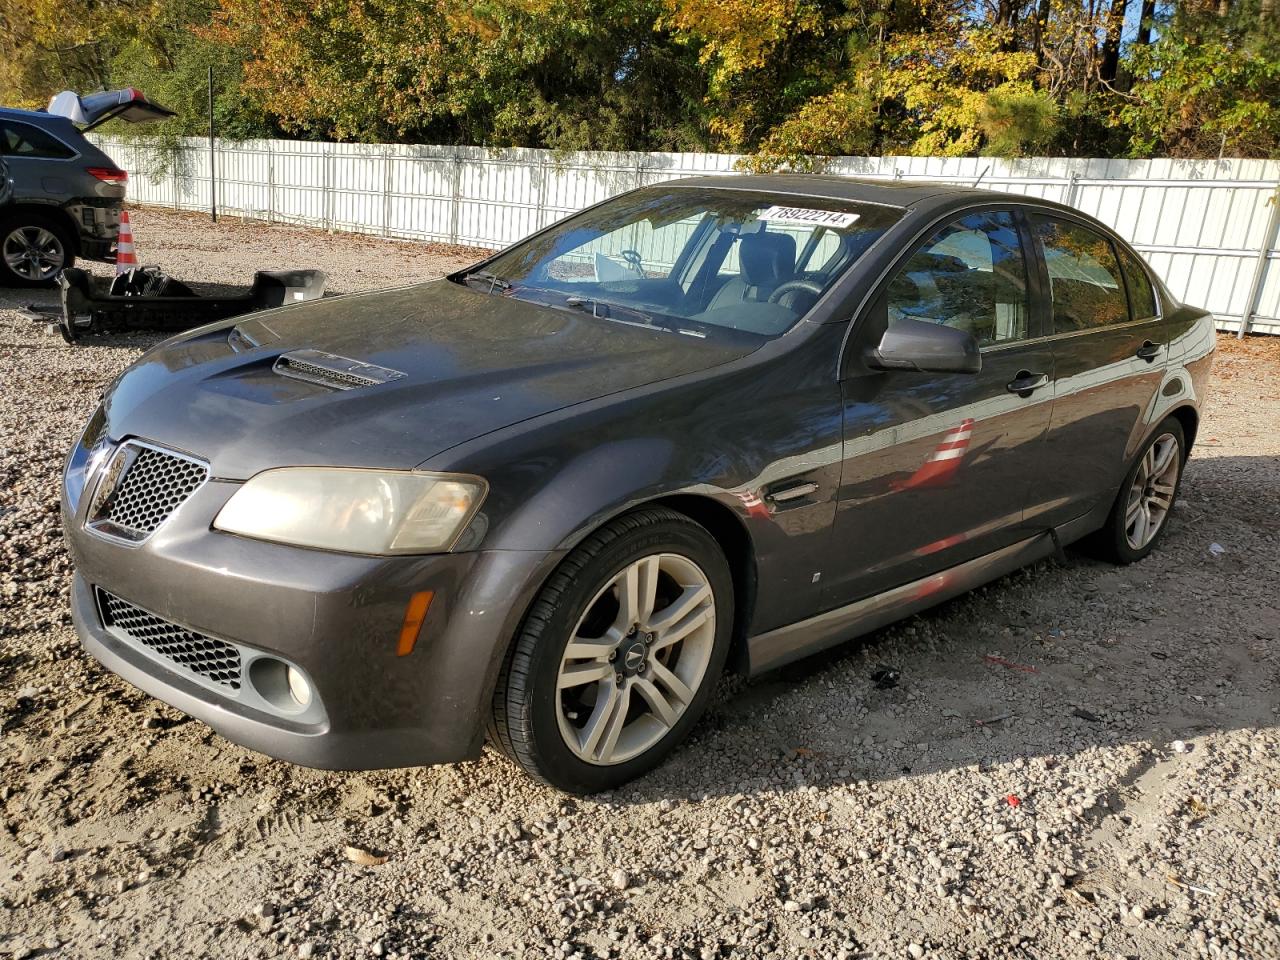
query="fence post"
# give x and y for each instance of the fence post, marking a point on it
(387, 190)
(328, 187)
(542, 191)
(1270, 236)
(1070, 199)
(455, 202)
(271, 184)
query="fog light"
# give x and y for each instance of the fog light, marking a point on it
(298, 687)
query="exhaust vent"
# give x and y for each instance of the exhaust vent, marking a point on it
(328, 370)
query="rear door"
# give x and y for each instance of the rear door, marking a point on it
(1108, 363)
(937, 466)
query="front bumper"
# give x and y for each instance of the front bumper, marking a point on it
(336, 617)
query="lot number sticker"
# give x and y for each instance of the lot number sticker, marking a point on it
(824, 218)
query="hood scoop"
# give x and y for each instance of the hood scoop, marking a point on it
(330, 370)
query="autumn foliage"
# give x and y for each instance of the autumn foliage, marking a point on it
(785, 81)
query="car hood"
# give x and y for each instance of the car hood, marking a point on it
(469, 363)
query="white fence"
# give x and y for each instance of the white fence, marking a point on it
(1209, 228)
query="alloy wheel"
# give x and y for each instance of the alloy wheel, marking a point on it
(1151, 493)
(636, 659)
(33, 253)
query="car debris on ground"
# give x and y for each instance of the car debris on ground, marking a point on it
(146, 298)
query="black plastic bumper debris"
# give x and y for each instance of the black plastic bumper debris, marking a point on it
(147, 299)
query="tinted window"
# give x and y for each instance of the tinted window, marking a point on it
(970, 275)
(1142, 297)
(1084, 277)
(24, 140)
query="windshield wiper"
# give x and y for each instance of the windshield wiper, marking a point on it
(605, 310)
(492, 280)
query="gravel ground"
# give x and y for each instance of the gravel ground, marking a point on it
(1077, 761)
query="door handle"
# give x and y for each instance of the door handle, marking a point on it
(788, 494)
(1149, 351)
(1027, 382)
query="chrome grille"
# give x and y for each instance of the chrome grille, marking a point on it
(203, 656)
(141, 487)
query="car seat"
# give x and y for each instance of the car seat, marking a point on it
(765, 261)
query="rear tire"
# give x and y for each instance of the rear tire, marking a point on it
(647, 601)
(1140, 515)
(34, 249)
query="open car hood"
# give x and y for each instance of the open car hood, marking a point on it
(95, 109)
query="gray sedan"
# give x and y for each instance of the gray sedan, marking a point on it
(714, 424)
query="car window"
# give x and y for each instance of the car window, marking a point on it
(1142, 298)
(1084, 277)
(697, 262)
(24, 140)
(638, 250)
(971, 275)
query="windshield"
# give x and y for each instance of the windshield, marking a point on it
(693, 261)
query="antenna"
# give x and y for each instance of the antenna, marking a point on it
(981, 175)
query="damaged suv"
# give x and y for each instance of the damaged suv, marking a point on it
(66, 194)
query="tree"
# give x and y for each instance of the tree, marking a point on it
(787, 82)
(1210, 84)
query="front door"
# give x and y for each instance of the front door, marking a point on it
(938, 467)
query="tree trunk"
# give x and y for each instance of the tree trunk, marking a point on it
(1110, 65)
(1042, 22)
(1149, 15)
(1267, 12)
(1007, 17)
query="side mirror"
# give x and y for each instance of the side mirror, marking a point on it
(925, 347)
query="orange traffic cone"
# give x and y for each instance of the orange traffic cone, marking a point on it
(125, 260)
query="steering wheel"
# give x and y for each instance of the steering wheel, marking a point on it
(783, 289)
(633, 259)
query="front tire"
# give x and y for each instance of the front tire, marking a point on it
(618, 655)
(1140, 515)
(34, 249)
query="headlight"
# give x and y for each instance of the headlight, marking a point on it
(354, 511)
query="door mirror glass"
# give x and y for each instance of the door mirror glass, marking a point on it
(919, 345)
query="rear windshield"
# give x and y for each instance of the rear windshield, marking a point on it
(697, 262)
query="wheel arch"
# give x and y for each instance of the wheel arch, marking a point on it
(47, 211)
(726, 528)
(739, 551)
(1189, 417)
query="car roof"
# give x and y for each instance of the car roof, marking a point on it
(33, 116)
(895, 193)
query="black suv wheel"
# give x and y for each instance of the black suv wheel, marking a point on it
(34, 249)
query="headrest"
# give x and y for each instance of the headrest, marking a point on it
(766, 259)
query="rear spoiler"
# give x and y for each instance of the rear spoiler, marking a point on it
(95, 109)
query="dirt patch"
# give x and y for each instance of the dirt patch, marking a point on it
(1121, 799)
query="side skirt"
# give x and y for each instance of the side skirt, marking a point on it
(785, 644)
